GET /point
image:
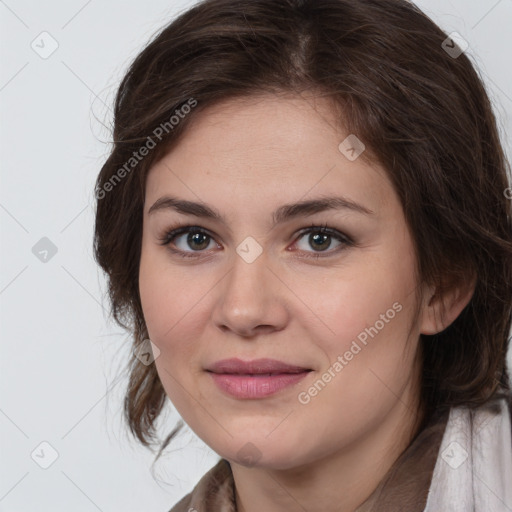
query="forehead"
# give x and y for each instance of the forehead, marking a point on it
(257, 151)
(260, 128)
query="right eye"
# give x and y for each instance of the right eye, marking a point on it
(196, 241)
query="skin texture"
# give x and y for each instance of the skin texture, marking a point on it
(245, 158)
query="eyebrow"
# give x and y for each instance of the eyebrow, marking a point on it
(282, 214)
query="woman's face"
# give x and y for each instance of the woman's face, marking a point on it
(340, 304)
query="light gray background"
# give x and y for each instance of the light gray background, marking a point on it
(61, 360)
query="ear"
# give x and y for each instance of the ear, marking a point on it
(441, 308)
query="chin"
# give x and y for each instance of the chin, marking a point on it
(265, 454)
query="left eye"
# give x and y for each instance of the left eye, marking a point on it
(198, 239)
(321, 238)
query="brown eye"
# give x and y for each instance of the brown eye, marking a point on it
(321, 239)
(196, 241)
(318, 241)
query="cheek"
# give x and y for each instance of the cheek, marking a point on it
(366, 319)
(171, 306)
(370, 314)
(372, 296)
(155, 293)
(168, 294)
(176, 311)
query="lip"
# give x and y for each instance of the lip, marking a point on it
(254, 367)
(255, 379)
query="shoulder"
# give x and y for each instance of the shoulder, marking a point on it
(474, 466)
(213, 492)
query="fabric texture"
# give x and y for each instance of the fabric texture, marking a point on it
(215, 492)
(474, 468)
(460, 462)
(405, 486)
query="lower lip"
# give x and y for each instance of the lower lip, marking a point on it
(254, 386)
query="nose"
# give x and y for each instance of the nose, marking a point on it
(251, 300)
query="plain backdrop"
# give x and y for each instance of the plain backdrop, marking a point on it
(61, 360)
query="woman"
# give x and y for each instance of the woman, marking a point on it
(304, 223)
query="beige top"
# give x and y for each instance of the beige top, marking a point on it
(404, 487)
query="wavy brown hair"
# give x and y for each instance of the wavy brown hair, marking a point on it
(422, 113)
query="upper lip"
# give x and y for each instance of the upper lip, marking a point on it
(256, 366)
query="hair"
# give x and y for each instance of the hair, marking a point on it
(422, 113)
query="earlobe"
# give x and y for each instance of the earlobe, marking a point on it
(440, 310)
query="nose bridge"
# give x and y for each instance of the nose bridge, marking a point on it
(248, 280)
(249, 297)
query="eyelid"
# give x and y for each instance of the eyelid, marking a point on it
(177, 230)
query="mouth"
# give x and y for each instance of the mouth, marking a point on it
(265, 367)
(255, 379)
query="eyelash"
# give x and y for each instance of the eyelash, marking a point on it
(173, 232)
